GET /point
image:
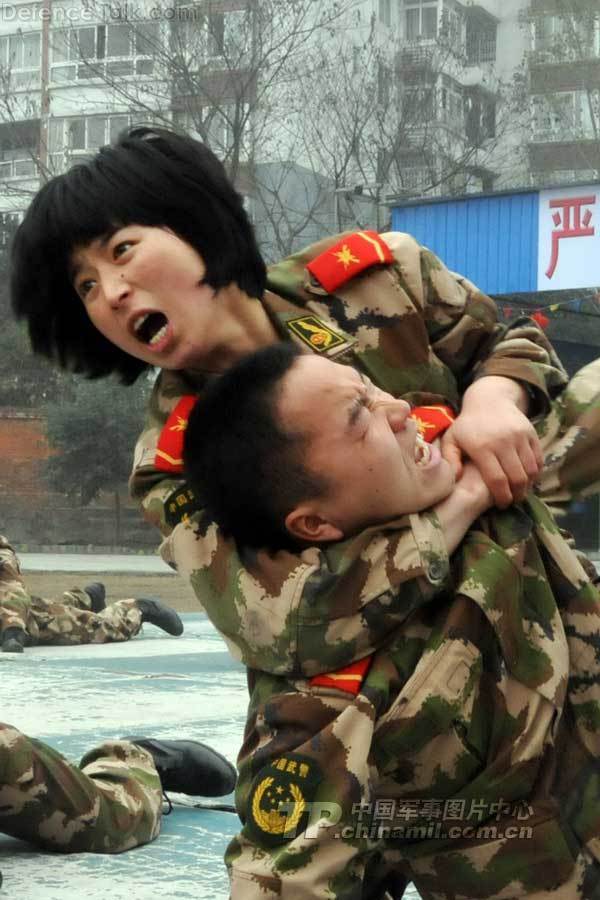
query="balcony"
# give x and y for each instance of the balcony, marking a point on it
(564, 154)
(548, 76)
(417, 55)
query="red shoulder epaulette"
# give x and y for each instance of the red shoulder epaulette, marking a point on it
(350, 256)
(432, 420)
(348, 679)
(169, 450)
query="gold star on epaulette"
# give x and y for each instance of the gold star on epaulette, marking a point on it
(181, 425)
(423, 426)
(346, 257)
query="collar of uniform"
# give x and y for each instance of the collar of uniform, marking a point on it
(175, 382)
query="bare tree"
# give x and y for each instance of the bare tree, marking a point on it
(396, 116)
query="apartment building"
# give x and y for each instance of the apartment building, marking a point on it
(74, 73)
(478, 96)
(564, 83)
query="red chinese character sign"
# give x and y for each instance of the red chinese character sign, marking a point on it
(569, 236)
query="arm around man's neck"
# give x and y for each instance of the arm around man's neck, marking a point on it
(470, 498)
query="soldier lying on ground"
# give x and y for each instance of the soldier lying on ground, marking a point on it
(463, 752)
(78, 617)
(113, 802)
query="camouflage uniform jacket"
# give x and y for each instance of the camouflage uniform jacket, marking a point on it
(465, 699)
(416, 330)
(486, 696)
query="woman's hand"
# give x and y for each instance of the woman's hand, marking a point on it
(494, 432)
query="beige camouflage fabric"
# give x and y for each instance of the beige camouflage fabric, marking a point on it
(64, 620)
(111, 803)
(485, 677)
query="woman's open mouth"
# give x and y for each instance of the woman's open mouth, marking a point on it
(151, 328)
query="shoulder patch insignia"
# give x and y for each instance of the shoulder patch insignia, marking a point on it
(348, 679)
(169, 450)
(348, 258)
(432, 421)
(313, 332)
(280, 799)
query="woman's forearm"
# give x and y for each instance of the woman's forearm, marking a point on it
(459, 510)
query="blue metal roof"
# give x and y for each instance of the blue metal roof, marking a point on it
(492, 240)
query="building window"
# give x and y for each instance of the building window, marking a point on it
(199, 38)
(480, 117)
(481, 43)
(18, 163)
(20, 56)
(421, 19)
(385, 12)
(103, 51)
(561, 117)
(76, 135)
(418, 106)
(415, 179)
(385, 80)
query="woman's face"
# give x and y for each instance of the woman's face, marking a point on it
(142, 289)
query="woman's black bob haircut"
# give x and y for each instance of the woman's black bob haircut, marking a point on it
(150, 176)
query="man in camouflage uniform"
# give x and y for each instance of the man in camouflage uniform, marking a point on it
(78, 617)
(423, 334)
(496, 631)
(112, 803)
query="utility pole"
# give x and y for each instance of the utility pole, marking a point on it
(357, 190)
(46, 13)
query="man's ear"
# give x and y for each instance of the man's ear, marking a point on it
(307, 525)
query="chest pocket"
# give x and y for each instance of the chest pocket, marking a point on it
(423, 735)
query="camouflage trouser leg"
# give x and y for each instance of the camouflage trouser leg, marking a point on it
(14, 599)
(53, 622)
(111, 804)
(570, 436)
(17, 606)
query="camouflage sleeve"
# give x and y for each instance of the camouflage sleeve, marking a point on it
(163, 495)
(317, 612)
(464, 330)
(280, 612)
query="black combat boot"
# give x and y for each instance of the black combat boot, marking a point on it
(189, 767)
(158, 614)
(13, 640)
(97, 594)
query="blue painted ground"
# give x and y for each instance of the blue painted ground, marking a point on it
(75, 697)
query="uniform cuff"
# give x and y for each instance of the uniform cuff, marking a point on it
(431, 545)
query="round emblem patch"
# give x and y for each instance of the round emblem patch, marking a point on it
(279, 802)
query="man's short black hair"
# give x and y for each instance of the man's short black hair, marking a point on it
(246, 468)
(150, 176)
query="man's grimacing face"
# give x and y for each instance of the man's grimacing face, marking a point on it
(363, 442)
